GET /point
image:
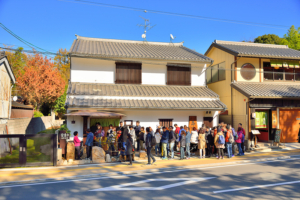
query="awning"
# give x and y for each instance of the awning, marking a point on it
(95, 113)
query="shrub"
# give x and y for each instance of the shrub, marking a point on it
(37, 114)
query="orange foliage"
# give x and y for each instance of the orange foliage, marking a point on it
(40, 81)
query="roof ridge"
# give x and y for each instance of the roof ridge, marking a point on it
(129, 41)
(251, 44)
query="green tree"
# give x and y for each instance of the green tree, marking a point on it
(268, 39)
(62, 63)
(292, 38)
(59, 104)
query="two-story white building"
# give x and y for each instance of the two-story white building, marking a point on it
(152, 82)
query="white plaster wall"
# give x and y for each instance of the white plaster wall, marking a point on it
(78, 126)
(89, 70)
(198, 74)
(154, 74)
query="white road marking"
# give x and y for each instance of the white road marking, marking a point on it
(123, 187)
(140, 174)
(258, 186)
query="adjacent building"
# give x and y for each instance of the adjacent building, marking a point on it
(153, 82)
(260, 85)
(7, 79)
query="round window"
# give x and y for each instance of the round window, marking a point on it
(248, 71)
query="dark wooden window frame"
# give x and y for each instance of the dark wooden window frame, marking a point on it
(131, 71)
(165, 122)
(214, 67)
(177, 75)
(266, 65)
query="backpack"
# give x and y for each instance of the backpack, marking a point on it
(221, 139)
(231, 138)
(236, 137)
(153, 141)
(243, 138)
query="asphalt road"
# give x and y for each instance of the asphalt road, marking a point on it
(278, 179)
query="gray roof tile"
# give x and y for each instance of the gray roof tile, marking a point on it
(256, 50)
(151, 104)
(100, 89)
(109, 48)
(268, 90)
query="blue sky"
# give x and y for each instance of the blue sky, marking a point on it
(52, 24)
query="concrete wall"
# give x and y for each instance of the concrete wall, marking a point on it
(90, 70)
(149, 118)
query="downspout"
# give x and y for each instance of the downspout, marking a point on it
(10, 102)
(231, 90)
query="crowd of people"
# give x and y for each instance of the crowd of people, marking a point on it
(166, 141)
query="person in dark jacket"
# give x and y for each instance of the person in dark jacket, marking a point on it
(208, 148)
(182, 144)
(172, 139)
(148, 145)
(137, 129)
(210, 142)
(124, 136)
(129, 146)
(142, 138)
(165, 141)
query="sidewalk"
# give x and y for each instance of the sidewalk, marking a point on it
(57, 173)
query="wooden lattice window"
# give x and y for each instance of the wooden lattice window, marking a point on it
(129, 73)
(166, 122)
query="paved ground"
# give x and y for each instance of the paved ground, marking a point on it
(262, 176)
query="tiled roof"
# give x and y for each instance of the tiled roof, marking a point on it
(256, 50)
(268, 90)
(132, 90)
(148, 104)
(110, 48)
(19, 105)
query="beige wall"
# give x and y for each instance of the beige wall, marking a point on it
(222, 88)
(240, 110)
(254, 62)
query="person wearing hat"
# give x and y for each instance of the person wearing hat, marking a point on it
(219, 146)
(164, 141)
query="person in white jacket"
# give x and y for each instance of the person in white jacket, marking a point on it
(133, 136)
(157, 138)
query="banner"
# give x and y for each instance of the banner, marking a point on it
(261, 120)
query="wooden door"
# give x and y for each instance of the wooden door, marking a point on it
(289, 120)
(193, 122)
(208, 121)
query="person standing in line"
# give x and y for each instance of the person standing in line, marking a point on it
(234, 143)
(137, 129)
(152, 132)
(210, 143)
(164, 141)
(239, 141)
(129, 145)
(188, 142)
(132, 133)
(124, 137)
(207, 149)
(110, 129)
(244, 133)
(182, 144)
(194, 140)
(201, 143)
(111, 139)
(229, 139)
(89, 143)
(148, 144)
(172, 139)
(157, 138)
(219, 143)
(142, 136)
(77, 145)
(177, 130)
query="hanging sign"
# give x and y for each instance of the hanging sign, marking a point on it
(261, 120)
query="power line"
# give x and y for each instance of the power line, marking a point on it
(34, 51)
(21, 39)
(179, 14)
